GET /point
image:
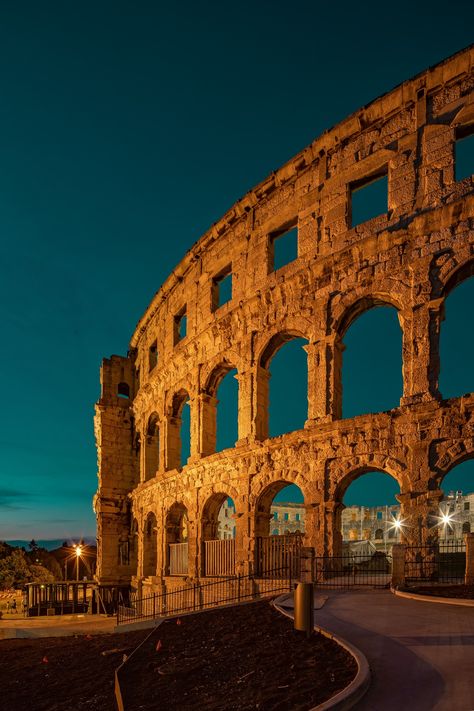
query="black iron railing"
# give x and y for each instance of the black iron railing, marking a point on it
(353, 570)
(201, 596)
(443, 562)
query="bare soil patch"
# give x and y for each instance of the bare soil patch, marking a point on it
(246, 657)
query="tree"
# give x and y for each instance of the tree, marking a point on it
(33, 546)
(14, 570)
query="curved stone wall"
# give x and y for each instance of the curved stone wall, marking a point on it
(409, 257)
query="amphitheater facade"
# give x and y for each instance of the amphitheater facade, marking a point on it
(410, 257)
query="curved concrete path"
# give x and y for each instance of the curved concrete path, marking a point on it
(58, 626)
(421, 654)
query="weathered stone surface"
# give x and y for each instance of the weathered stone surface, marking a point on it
(410, 258)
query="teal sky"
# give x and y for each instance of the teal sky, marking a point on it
(126, 130)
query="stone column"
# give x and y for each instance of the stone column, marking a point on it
(261, 378)
(421, 327)
(193, 548)
(306, 564)
(398, 564)
(324, 380)
(418, 514)
(194, 407)
(207, 424)
(245, 429)
(312, 530)
(172, 427)
(243, 544)
(332, 528)
(469, 540)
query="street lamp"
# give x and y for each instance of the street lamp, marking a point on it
(78, 549)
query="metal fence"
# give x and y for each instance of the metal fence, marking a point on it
(278, 553)
(443, 562)
(219, 557)
(193, 598)
(352, 570)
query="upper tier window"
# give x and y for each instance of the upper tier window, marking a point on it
(152, 356)
(180, 325)
(464, 153)
(368, 198)
(283, 248)
(222, 288)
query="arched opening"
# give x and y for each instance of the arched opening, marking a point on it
(218, 536)
(456, 337)
(152, 447)
(150, 545)
(370, 518)
(227, 411)
(220, 410)
(372, 363)
(280, 508)
(179, 431)
(456, 515)
(177, 540)
(283, 385)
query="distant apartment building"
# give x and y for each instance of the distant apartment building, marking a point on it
(369, 523)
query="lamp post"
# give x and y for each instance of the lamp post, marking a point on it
(78, 550)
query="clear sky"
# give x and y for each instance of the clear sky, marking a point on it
(126, 130)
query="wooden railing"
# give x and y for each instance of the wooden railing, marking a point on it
(219, 557)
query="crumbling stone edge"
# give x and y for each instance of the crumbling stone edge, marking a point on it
(431, 598)
(348, 697)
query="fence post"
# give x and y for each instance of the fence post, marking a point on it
(469, 573)
(398, 564)
(306, 564)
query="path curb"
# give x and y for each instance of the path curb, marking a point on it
(348, 697)
(431, 598)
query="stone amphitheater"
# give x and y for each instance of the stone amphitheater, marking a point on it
(410, 258)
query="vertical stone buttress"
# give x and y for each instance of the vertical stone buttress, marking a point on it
(118, 470)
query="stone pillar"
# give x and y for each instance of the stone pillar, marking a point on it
(418, 514)
(194, 434)
(398, 565)
(243, 544)
(207, 424)
(261, 400)
(306, 564)
(245, 406)
(312, 529)
(332, 528)
(324, 380)
(193, 548)
(469, 540)
(421, 328)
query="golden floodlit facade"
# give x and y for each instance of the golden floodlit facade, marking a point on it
(152, 509)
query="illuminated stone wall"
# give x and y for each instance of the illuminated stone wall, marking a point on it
(410, 257)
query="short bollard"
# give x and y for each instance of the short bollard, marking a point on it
(304, 614)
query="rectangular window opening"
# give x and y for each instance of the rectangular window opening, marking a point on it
(152, 356)
(180, 325)
(283, 248)
(464, 153)
(222, 288)
(368, 198)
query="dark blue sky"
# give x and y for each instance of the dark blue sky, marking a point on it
(126, 130)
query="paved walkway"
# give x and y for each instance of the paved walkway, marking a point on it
(421, 654)
(59, 626)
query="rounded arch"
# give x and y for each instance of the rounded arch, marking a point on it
(344, 312)
(263, 501)
(178, 401)
(458, 273)
(176, 522)
(216, 370)
(349, 474)
(274, 343)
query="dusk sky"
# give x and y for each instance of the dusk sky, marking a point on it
(126, 130)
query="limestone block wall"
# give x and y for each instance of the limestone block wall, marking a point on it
(409, 257)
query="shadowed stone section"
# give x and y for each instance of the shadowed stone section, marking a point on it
(409, 257)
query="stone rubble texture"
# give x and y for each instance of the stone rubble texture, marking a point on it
(409, 258)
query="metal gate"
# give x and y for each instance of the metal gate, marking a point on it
(353, 570)
(219, 557)
(278, 555)
(178, 559)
